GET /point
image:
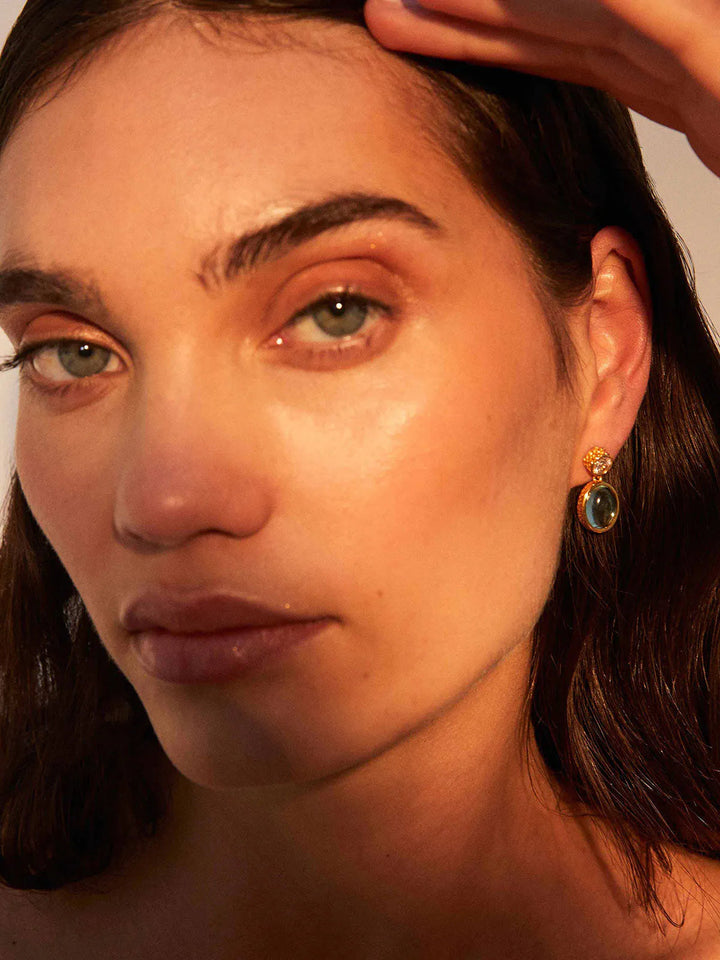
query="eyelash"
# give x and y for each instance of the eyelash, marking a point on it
(349, 343)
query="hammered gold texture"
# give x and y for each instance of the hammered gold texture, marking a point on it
(597, 461)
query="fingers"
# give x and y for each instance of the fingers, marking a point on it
(632, 69)
(582, 21)
(676, 26)
(659, 57)
(399, 27)
(465, 29)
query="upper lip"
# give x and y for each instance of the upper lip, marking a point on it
(181, 612)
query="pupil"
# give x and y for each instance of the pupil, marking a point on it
(83, 359)
(342, 317)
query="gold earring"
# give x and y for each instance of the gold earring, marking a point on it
(598, 505)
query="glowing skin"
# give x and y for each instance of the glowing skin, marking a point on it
(414, 492)
(391, 493)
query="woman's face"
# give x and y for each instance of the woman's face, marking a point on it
(411, 486)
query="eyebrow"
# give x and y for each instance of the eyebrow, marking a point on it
(228, 260)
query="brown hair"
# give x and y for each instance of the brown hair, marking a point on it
(624, 700)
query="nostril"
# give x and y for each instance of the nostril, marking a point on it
(135, 541)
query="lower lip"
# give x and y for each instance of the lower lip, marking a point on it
(214, 657)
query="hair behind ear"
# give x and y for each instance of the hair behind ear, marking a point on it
(625, 699)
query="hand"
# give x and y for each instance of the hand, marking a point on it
(659, 57)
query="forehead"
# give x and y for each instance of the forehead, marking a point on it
(174, 120)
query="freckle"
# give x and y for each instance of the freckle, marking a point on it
(380, 593)
(366, 675)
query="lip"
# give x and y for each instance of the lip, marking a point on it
(185, 658)
(192, 612)
(199, 636)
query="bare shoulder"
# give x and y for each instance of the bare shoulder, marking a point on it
(80, 923)
(694, 899)
(26, 927)
(115, 917)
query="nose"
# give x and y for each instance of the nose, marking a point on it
(195, 461)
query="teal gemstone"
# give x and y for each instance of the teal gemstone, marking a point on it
(601, 506)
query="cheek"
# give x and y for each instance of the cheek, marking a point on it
(442, 502)
(468, 515)
(435, 502)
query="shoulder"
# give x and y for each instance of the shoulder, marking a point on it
(26, 929)
(58, 925)
(101, 918)
(692, 895)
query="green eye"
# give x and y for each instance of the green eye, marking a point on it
(340, 315)
(335, 331)
(82, 359)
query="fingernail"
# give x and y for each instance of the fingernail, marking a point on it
(412, 5)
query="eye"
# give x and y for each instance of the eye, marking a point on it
(80, 359)
(338, 315)
(344, 323)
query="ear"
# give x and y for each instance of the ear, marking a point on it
(614, 345)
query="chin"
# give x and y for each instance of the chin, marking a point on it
(233, 751)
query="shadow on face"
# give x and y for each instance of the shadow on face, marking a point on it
(304, 363)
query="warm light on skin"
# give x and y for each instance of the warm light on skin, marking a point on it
(390, 493)
(416, 493)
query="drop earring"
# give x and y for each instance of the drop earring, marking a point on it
(598, 505)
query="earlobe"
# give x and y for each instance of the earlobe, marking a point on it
(618, 346)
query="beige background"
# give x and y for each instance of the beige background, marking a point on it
(690, 193)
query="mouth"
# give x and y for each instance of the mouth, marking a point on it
(183, 635)
(187, 658)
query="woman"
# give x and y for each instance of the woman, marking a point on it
(359, 582)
